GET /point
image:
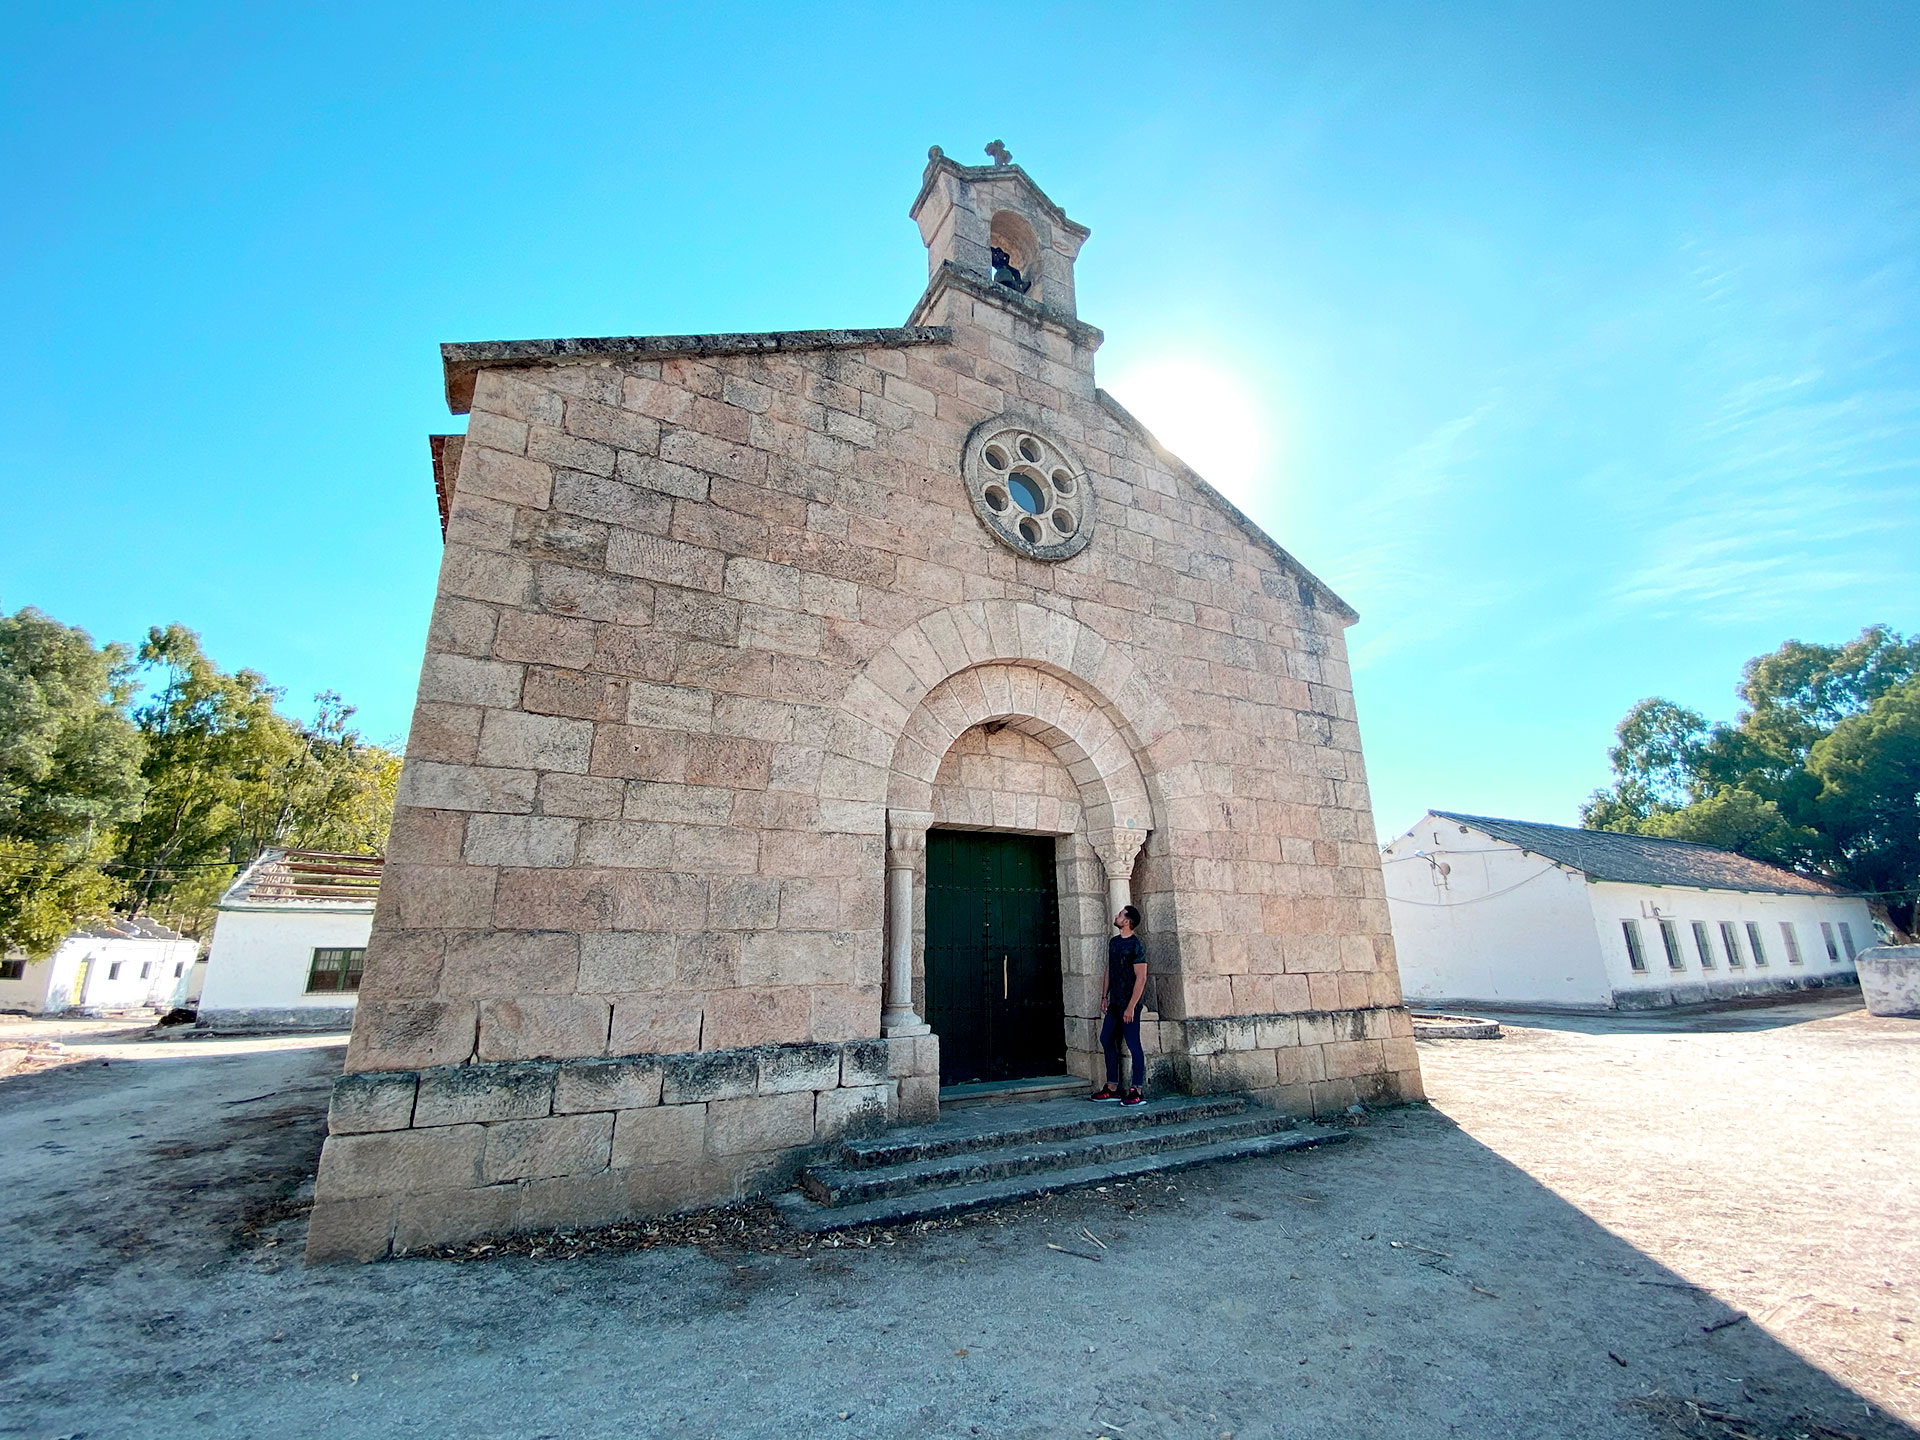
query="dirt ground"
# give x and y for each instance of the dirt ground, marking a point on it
(1550, 1250)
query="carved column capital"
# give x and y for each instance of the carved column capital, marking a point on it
(1118, 849)
(907, 838)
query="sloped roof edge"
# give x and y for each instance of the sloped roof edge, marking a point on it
(465, 360)
(1644, 859)
(1232, 511)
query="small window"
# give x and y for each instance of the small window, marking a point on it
(113, 971)
(1833, 951)
(1730, 942)
(13, 969)
(146, 969)
(1753, 943)
(1846, 939)
(1791, 939)
(1703, 944)
(335, 970)
(1670, 937)
(1636, 952)
(179, 969)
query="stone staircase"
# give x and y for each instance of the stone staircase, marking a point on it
(990, 1154)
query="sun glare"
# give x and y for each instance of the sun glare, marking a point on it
(1204, 415)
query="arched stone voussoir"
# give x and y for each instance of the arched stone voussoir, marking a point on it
(1022, 662)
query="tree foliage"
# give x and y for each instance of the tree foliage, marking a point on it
(69, 774)
(230, 776)
(156, 809)
(1820, 771)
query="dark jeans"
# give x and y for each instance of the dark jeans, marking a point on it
(1112, 1029)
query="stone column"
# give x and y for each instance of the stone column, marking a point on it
(906, 848)
(1118, 849)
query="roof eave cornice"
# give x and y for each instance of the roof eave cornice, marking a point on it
(464, 361)
(952, 277)
(1346, 612)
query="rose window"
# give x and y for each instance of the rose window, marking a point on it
(1031, 493)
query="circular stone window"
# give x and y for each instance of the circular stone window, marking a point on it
(1028, 490)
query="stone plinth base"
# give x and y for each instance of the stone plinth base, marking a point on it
(1890, 979)
(415, 1158)
(290, 1017)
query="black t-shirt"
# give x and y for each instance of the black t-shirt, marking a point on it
(1123, 953)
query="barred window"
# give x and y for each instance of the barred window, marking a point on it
(146, 969)
(1753, 943)
(1846, 939)
(1636, 952)
(335, 970)
(1791, 939)
(1703, 944)
(1833, 951)
(13, 969)
(113, 970)
(1730, 942)
(1670, 938)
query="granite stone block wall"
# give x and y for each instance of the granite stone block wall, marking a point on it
(443, 1154)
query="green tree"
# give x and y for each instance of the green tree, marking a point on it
(1868, 767)
(1818, 772)
(229, 776)
(69, 775)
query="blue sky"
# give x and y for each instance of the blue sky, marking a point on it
(1579, 352)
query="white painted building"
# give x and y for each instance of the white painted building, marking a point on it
(1504, 912)
(121, 963)
(289, 941)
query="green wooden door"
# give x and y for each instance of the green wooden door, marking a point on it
(993, 956)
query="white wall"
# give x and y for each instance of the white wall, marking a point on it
(49, 985)
(1501, 928)
(259, 959)
(1614, 902)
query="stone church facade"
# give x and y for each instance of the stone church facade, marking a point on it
(796, 710)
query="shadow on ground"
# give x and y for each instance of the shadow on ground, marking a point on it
(1410, 1284)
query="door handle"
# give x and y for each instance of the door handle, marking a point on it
(1003, 977)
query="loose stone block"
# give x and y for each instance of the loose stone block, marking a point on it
(372, 1101)
(468, 1094)
(631, 1082)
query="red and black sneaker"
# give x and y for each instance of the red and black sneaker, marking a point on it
(1133, 1097)
(1105, 1092)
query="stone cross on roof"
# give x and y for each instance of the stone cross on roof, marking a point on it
(1001, 155)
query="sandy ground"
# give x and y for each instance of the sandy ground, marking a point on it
(1542, 1253)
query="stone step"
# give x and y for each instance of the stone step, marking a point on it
(837, 1185)
(999, 1126)
(1011, 1092)
(808, 1215)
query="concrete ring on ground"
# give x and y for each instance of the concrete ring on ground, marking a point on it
(1454, 1027)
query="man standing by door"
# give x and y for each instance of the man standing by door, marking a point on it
(1120, 1007)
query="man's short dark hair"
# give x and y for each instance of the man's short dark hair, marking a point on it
(1133, 915)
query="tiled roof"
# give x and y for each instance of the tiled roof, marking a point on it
(1645, 860)
(307, 877)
